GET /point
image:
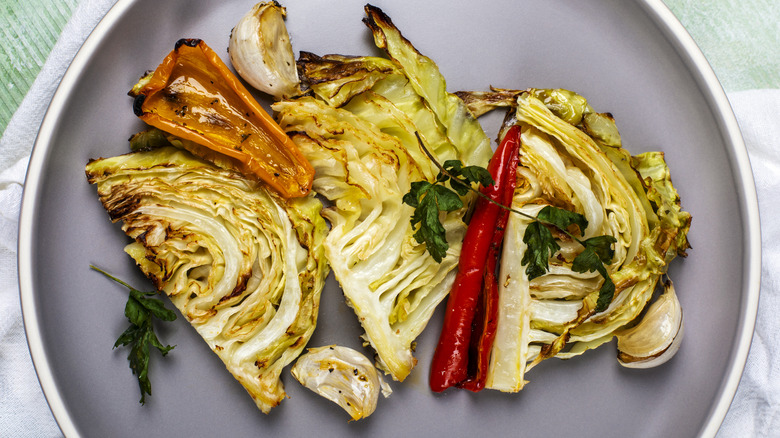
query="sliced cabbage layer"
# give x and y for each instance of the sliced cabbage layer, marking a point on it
(244, 268)
(629, 198)
(358, 131)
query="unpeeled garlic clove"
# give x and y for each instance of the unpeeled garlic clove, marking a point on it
(261, 52)
(655, 339)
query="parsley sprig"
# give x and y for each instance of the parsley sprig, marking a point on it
(140, 310)
(542, 245)
(430, 198)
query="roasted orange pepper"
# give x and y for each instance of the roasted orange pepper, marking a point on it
(193, 95)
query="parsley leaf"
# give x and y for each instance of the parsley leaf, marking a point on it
(602, 246)
(606, 293)
(429, 199)
(587, 261)
(598, 250)
(140, 310)
(464, 176)
(541, 246)
(562, 219)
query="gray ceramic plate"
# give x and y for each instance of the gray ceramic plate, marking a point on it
(631, 58)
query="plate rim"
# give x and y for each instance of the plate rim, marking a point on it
(673, 31)
(30, 196)
(715, 95)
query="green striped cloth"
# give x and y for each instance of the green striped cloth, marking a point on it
(740, 38)
(28, 31)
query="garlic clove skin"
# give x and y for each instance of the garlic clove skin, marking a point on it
(261, 52)
(655, 339)
(342, 375)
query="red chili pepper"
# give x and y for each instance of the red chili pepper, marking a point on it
(450, 366)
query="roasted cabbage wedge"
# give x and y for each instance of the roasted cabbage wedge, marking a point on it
(571, 157)
(358, 131)
(242, 266)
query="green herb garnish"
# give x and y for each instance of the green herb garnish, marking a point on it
(140, 310)
(429, 198)
(542, 245)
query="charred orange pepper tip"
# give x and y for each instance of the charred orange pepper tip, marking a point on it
(194, 95)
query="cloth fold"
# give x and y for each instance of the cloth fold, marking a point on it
(755, 410)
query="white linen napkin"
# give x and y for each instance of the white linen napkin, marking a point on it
(23, 408)
(755, 411)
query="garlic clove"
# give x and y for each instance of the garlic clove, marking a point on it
(657, 337)
(261, 52)
(343, 376)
